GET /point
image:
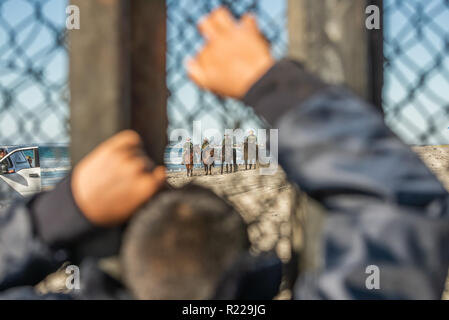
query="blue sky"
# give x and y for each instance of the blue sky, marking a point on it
(34, 103)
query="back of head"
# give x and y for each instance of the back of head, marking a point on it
(181, 244)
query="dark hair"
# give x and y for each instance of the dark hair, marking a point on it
(180, 245)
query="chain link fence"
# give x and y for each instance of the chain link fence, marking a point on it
(186, 102)
(33, 72)
(33, 68)
(416, 100)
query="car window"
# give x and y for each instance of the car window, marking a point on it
(20, 161)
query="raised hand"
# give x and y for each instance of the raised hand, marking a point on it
(234, 57)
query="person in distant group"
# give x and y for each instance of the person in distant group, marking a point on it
(204, 146)
(187, 148)
(188, 156)
(250, 150)
(227, 153)
(207, 156)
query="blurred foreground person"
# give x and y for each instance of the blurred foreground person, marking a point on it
(104, 190)
(184, 244)
(190, 244)
(385, 210)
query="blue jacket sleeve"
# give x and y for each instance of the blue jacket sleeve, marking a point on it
(34, 236)
(387, 214)
(24, 258)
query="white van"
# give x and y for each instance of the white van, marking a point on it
(20, 176)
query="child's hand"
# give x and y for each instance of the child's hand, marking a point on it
(234, 57)
(115, 179)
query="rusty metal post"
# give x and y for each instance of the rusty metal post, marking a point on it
(148, 74)
(376, 57)
(117, 74)
(330, 37)
(99, 75)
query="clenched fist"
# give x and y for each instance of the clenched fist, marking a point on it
(234, 57)
(115, 179)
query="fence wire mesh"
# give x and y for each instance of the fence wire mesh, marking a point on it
(186, 102)
(33, 72)
(416, 53)
(33, 68)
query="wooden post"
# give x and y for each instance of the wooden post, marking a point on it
(117, 74)
(331, 38)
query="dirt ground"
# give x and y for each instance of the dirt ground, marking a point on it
(437, 159)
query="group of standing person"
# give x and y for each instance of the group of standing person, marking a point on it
(228, 154)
